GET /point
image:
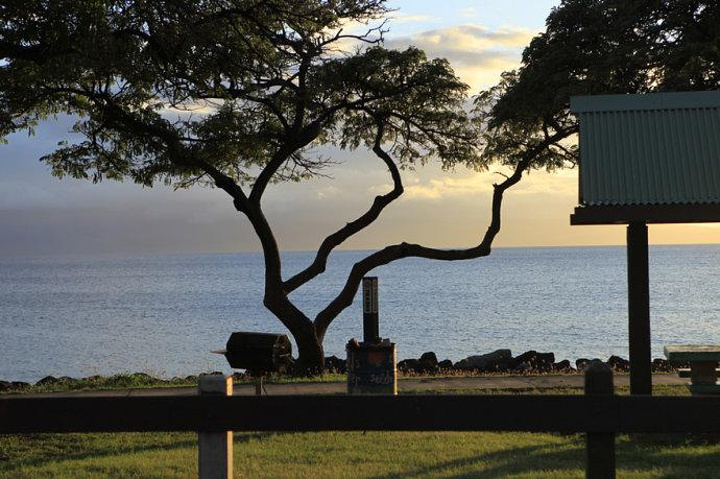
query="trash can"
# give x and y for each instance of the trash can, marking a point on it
(371, 367)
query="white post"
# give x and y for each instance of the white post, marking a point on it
(215, 449)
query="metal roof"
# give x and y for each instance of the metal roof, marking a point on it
(652, 149)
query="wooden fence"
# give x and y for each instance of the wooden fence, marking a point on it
(598, 413)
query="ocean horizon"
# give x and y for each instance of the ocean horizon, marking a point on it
(79, 315)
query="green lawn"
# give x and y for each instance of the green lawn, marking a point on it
(336, 454)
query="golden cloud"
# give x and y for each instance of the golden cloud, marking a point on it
(477, 53)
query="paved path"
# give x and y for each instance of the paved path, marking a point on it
(537, 383)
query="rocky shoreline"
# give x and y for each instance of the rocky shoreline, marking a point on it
(500, 361)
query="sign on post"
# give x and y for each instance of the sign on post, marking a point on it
(371, 319)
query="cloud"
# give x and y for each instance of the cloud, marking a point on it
(477, 53)
(473, 37)
(448, 186)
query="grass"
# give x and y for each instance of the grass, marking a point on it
(354, 454)
(362, 455)
(143, 381)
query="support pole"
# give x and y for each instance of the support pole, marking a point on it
(371, 317)
(600, 445)
(639, 309)
(215, 449)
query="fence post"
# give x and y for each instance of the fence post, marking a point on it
(600, 445)
(215, 449)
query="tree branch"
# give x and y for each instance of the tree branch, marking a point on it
(406, 250)
(334, 240)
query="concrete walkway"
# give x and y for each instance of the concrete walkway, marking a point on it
(536, 383)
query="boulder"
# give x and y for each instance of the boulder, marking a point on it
(47, 380)
(428, 363)
(445, 365)
(523, 367)
(616, 363)
(563, 366)
(333, 364)
(541, 362)
(582, 364)
(429, 358)
(418, 366)
(409, 365)
(501, 358)
(660, 365)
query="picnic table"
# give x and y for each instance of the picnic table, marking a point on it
(703, 361)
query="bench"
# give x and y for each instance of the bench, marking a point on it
(703, 361)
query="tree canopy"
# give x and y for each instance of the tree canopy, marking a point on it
(596, 47)
(235, 94)
(183, 91)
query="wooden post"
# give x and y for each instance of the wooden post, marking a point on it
(600, 445)
(639, 309)
(215, 449)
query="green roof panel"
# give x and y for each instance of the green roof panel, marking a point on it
(651, 149)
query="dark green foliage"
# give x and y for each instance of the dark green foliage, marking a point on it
(181, 91)
(597, 47)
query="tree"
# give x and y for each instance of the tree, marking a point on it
(595, 47)
(236, 94)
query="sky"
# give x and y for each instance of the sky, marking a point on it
(43, 215)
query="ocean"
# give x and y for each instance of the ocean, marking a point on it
(164, 314)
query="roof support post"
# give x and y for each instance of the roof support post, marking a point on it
(639, 308)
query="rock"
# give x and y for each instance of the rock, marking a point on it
(660, 365)
(617, 363)
(563, 366)
(582, 364)
(445, 365)
(428, 363)
(486, 362)
(334, 364)
(541, 362)
(47, 380)
(523, 367)
(429, 358)
(5, 386)
(409, 365)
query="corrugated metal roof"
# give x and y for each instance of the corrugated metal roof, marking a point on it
(653, 149)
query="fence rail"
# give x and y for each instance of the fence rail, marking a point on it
(345, 413)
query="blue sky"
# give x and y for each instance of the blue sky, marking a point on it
(44, 215)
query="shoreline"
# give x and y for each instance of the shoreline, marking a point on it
(500, 362)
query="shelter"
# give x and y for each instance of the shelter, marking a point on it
(652, 158)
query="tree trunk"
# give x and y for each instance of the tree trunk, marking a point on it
(311, 356)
